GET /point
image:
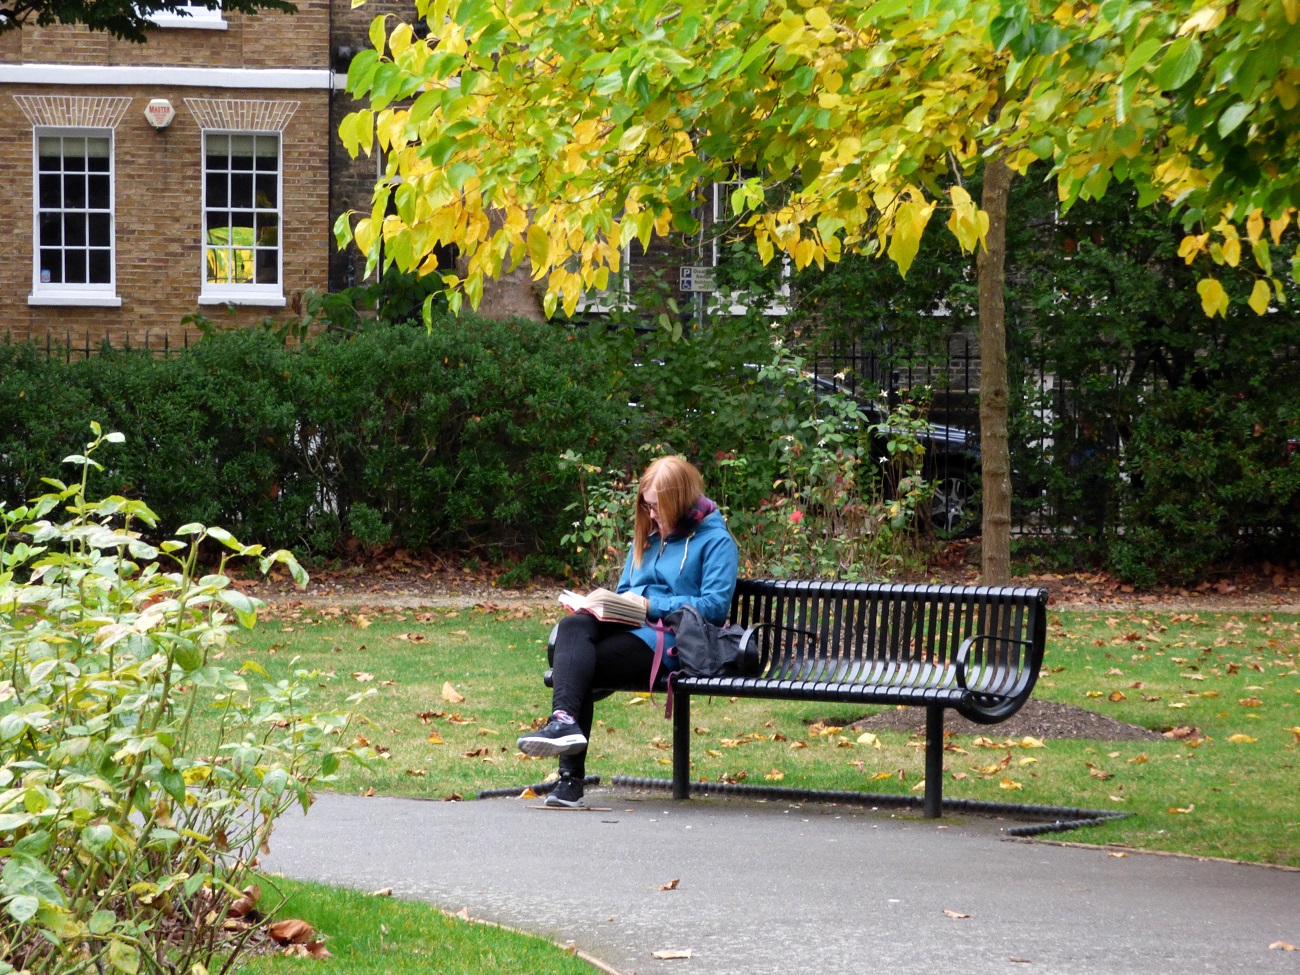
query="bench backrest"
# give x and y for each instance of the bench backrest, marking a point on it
(901, 635)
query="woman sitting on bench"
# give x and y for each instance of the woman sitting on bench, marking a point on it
(681, 553)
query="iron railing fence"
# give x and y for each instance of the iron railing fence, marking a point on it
(85, 344)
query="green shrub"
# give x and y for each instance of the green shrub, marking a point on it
(448, 438)
(127, 827)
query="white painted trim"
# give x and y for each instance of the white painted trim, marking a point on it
(76, 300)
(171, 21)
(122, 74)
(255, 301)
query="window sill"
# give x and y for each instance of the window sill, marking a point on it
(169, 21)
(76, 301)
(254, 301)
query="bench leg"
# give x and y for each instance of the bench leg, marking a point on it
(681, 745)
(933, 762)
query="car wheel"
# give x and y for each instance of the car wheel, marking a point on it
(953, 512)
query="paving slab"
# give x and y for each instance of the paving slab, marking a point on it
(781, 887)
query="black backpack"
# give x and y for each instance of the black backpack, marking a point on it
(705, 650)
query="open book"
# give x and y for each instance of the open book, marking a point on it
(606, 606)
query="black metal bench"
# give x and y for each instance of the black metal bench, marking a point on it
(975, 649)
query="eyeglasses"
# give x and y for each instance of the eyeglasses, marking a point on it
(648, 505)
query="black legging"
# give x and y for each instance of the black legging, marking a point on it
(590, 654)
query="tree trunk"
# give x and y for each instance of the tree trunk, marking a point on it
(994, 395)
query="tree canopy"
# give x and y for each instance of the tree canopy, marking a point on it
(589, 125)
(125, 19)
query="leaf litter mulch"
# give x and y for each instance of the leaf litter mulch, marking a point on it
(1038, 719)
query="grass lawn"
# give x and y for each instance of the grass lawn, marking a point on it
(1228, 790)
(381, 936)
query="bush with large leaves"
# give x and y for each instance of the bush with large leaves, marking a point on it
(127, 821)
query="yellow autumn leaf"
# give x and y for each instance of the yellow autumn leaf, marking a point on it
(528, 793)
(867, 738)
(1028, 760)
(776, 775)
(1030, 742)
(1213, 297)
(1259, 296)
(1240, 739)
(909, 224)
(539, 250)
(1277, 226)
(435, 739)
(1255, 225)
(451, 695)
(1009, 784)
(1191, 246)
(881, 776)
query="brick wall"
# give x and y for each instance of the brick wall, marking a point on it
(268, 40)
(158, 220)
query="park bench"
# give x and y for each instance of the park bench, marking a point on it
(975, 649)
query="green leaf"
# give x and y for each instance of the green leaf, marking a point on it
(1179, 64)
(1141, 55)
(23, 908)
(174, 782)
(102, 922)
(378, 33)
(124, 957)
(1232, 117)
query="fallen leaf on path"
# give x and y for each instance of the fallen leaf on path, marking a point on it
(368, 793)
(671, 885)
(954, 913)
(1282, 946)
(451, 695)
(1117, 855)
(1018, 960)
(672, 953)
(528, 793)
(453, 797)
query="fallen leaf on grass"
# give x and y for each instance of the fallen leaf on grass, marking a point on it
(672, 953)
(1183, 810)
(477, 753)
(418, 773)
(312, 949)
(361, 676)
(1242, 739)
(960, 775)
(435, 739)
(1009, 784)
(382, 892)
(1182, 731)
(671, 885)
(246, 902)
(798, 744)
(360, 622)
(1118, 696)
(368, 793)
(458, 633)
(867, 738)
(1249, 702)
(1098, 773)
(1030, 742)
(954, 913)
(451, 695)
(1118, 798)
(1138, 760)
(453, 797)
(411, 637)
(291, 932)
(427, 716)
(881, 776)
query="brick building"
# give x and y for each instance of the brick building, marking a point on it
(118, 228)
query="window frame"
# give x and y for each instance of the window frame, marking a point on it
(87, 294)
(216, 293)
(195, 18)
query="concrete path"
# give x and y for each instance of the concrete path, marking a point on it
(779, 887)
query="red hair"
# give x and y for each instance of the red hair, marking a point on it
(678, 484)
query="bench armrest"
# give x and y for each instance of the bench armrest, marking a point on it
(963, 655)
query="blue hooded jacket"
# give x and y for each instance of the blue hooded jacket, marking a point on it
(696, 566)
